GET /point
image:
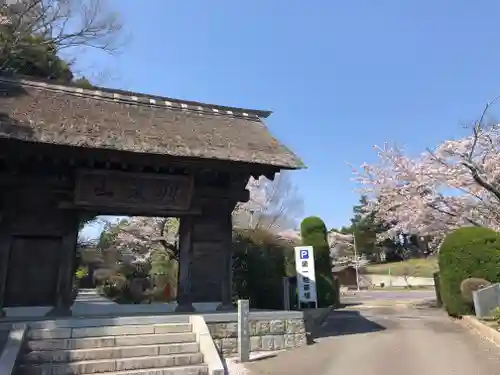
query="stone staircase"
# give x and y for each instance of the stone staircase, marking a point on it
(114, 349)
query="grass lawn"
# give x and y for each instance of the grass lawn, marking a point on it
(410, 267)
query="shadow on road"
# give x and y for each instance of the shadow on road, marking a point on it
(427, 304)
(314, 357)
(341, 323)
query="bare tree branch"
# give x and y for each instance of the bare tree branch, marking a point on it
(61, 24)
(273, 205)
(171, 248)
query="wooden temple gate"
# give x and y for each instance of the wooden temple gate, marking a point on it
(66, 153)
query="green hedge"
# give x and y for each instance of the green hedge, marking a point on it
(259, 265)
(467, 252)
(314, 233)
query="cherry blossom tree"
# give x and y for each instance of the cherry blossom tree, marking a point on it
(136, 238)
(341, 245)
(452, 185)
(135, 247)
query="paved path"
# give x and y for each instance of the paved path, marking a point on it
(88, 300)
(388, 341)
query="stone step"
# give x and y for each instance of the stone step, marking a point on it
(109, 341)
(112, 365)
(181, 370)
(66, 333)
(109, 321)
(109, 352)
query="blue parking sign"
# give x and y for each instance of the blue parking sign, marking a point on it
(304, 254)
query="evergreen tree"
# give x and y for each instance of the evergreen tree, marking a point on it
(314, 233)
(34, 32)
(365, 229)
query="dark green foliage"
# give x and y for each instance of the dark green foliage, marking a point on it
(365, 229)
(259, 267)
(164, 271)
(83, 82)
(314, 233)
(32, 55)
(470, 285)
(313, 230)
(467, 252)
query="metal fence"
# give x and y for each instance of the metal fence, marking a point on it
(486, 299)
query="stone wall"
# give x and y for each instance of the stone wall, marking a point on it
(269, 331)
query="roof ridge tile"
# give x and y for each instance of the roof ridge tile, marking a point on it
(141, 99)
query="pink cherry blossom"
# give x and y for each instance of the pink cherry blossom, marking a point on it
(455, 184)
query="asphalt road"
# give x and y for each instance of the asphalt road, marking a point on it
(387, 341)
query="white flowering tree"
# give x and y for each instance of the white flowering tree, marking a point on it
(137, 248)
(273, 205)
(341, 245)
(455, 184)
(136, 238)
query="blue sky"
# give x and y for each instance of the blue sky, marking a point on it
(340, 76)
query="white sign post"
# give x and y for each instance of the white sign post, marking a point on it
(306, 277)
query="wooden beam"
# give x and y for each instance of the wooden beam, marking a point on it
(215, 193)
(134, 190)
(123, 211)
(12, 149)
(46, 180)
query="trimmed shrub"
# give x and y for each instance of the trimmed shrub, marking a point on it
(465, 253)
(471, 285)
(259, 265)
(495, 313)
(314, 233)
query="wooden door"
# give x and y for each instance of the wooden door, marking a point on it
(33, 271)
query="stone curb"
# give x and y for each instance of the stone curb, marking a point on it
(479, 328)
(12, 347)
(207, 347)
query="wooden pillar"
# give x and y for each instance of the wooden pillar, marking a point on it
(5, 241)
(184, 295)
(66, 266)
(212, 242)
(227, 259)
